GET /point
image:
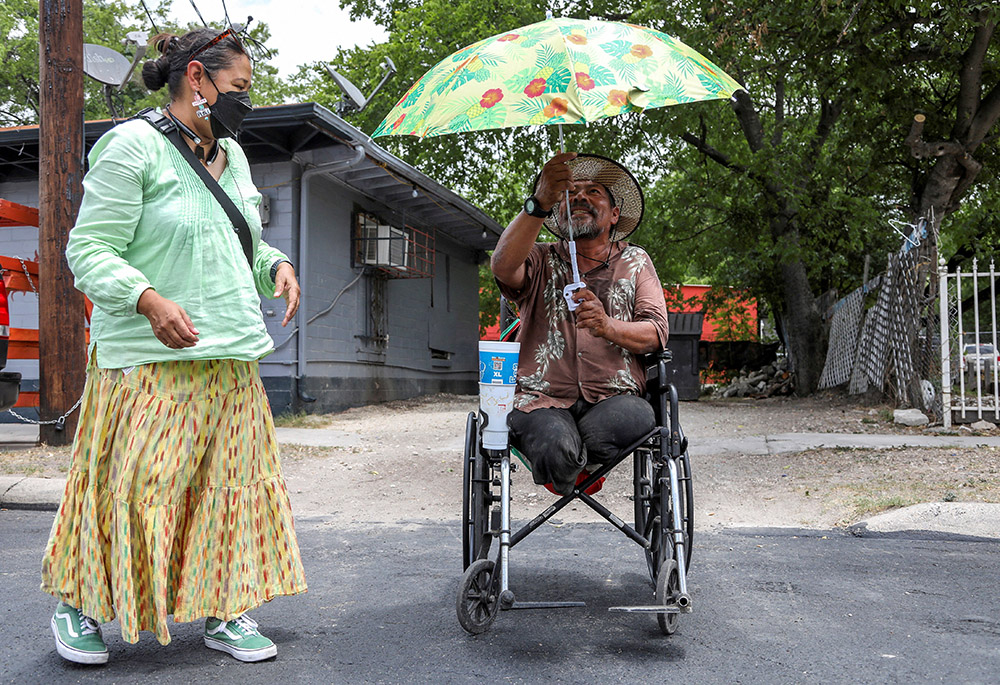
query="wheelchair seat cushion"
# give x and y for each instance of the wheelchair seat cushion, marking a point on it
(584, 475)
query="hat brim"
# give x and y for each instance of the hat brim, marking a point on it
(620, 183)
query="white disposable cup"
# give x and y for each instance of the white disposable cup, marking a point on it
(495, 403)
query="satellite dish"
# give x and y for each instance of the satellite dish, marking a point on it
(104, 65)
(354, 100)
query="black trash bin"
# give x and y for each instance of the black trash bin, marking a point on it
(685, 332)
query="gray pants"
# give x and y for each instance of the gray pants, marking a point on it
(559, 443)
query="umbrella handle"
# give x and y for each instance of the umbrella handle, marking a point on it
(568, 294)
(577, 283)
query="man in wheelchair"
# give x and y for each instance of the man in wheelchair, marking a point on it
(580, 376)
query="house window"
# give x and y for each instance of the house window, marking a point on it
(398, 251)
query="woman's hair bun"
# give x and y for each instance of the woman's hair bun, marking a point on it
(164, 43)
(155, 72)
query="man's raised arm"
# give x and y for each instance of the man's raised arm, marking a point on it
(520, 235)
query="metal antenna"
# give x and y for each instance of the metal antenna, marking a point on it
(225, 11)
(150, 15)
(198, 12)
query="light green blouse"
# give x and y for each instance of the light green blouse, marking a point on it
(147, 220)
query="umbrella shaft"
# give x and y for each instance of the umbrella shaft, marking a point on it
(572, 259)
(569, 219)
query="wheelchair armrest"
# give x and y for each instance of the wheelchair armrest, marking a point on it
(665, 354)
(654, 383)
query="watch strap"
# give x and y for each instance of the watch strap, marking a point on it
(533, 207)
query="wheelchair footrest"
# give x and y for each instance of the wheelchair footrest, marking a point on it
(653, 609)
(547, 605)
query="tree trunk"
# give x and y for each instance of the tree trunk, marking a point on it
(803, 324)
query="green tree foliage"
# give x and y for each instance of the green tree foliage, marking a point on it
(105, 22)
(784, 192)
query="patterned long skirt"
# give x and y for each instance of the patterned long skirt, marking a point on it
(174, 503)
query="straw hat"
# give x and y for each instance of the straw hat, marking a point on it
(620, 183)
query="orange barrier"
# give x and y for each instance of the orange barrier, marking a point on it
(16, 274)
(14, 277)
(26, 399)
(13, 214)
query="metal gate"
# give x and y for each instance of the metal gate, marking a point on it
(970, 357)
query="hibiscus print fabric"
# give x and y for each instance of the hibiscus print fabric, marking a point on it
(559, 71)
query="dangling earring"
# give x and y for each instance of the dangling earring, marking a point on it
(199, 101)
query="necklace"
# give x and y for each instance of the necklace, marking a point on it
(213, 154)
(606, 262)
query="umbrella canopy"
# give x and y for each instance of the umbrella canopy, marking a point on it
(558, 71)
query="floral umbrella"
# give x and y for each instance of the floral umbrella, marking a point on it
(558, 71)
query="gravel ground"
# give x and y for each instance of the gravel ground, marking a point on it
(404, 463)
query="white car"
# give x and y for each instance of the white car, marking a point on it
(981, 358)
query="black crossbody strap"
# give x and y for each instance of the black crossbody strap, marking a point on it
(164, 125)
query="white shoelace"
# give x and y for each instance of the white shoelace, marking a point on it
(247, 624)
(88, 625)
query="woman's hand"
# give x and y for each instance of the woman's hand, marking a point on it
(286, 284)
(171, 324)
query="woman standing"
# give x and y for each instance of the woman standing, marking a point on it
(175, 502)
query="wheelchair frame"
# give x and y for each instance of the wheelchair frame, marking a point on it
(662, 483)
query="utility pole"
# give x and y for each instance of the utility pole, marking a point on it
(61, 345)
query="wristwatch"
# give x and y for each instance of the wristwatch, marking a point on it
(274, 267)
(533, 208)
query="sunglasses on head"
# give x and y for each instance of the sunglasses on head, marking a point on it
(253, 48)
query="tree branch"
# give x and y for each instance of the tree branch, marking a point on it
(779, 110)
(922, 150)
(829, 113)
(986, 117)
(749, 120)
(971, 75)
(698, 232)
(710, 152)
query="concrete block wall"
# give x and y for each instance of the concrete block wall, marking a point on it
(279, 182)
(332, 337)
(337, 373)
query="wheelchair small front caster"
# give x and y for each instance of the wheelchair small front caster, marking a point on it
(477, 602)
(506, 600)
(667, 589)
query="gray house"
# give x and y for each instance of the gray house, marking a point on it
(387, 259)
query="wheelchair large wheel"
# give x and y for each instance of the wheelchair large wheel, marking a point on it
(647, 507)
(476, 497)
(477, 603)
(667, 587)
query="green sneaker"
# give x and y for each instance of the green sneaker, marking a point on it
(239, 637)
(78, 637)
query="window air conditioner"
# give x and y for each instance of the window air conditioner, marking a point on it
(385, 246)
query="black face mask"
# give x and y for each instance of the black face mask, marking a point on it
(228, 112)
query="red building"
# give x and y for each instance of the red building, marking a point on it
(729, 314)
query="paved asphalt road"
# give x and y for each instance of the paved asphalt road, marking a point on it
(770, 607)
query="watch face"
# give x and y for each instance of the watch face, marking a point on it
(531, 205)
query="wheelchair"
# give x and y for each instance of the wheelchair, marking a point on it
(663, 517)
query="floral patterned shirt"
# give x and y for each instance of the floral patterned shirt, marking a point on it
(559, 363)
